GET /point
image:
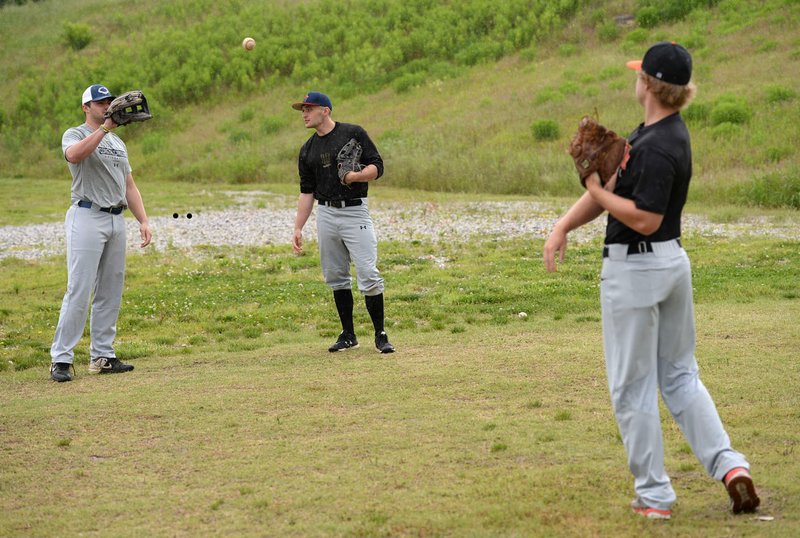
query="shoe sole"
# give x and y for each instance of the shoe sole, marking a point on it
(108, 371)
(653, 513)
(743, 494)
(385, 351)
(343, 349)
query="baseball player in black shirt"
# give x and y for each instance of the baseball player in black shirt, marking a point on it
(344, 227)
(646, 293)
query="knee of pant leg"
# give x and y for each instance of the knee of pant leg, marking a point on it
(371, 284)
(336, 278)
(377, 290)
(339, 282)
(679, 389)
(639, 395)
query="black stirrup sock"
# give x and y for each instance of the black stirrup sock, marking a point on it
(344, 305)
(375, 309)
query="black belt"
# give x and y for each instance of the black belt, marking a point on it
(640, 247)
(113, 210)
(341, 203)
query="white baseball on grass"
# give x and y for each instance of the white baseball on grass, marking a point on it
(249, 43)
(522, 315)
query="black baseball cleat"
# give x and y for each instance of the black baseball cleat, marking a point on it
(59, 371)
(345, 341)
(382, 343)
(741, 490)
(108, 365)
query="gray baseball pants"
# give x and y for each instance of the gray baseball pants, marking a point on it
(346, 234)
(95, 263)
(649, 340)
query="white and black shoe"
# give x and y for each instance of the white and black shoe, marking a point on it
(59, 371)
(345, 341)
(382, 343)
(108, 365)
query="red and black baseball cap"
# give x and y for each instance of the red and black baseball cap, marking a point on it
(666, 61)
(314, 99)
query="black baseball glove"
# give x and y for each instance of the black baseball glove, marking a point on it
(348, 159)
(129, 107)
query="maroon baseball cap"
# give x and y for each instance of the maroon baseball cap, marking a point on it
(666, 61)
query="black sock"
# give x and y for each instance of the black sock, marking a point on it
(375, 309)
(344, 305)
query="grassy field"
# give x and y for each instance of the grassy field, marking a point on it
(494, 431)
(237, 421)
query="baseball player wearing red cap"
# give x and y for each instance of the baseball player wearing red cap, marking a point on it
(646, 293)
(102, 188)
(344, 226)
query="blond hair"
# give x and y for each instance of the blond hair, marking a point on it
(669, 95)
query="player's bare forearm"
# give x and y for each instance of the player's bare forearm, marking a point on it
(624, 209)
(82, 149)
(135, 203)
(585, 210)
(305, 204)
(134, 200)
(369, 173)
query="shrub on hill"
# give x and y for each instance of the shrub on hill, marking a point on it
(730, 108)
(77, 35)
(776, 189)
(651, 13)
(545, 130)
(4, 3)
(779, 94)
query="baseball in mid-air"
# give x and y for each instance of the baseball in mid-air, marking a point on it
(249, 43)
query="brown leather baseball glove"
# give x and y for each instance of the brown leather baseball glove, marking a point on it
(597, 149)
(129, 107)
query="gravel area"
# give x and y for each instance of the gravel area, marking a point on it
(261, 218)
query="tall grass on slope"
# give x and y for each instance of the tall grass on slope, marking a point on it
(453, 126)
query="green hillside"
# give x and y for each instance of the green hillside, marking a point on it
(476, 96)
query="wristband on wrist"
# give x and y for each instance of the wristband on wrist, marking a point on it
(105, 129)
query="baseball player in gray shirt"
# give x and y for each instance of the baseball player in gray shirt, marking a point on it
(344, 226)
(102, 188)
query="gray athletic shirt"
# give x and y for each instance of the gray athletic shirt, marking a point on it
(100, 177)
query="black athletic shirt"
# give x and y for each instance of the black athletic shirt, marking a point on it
(656, 178)
(317, 163)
